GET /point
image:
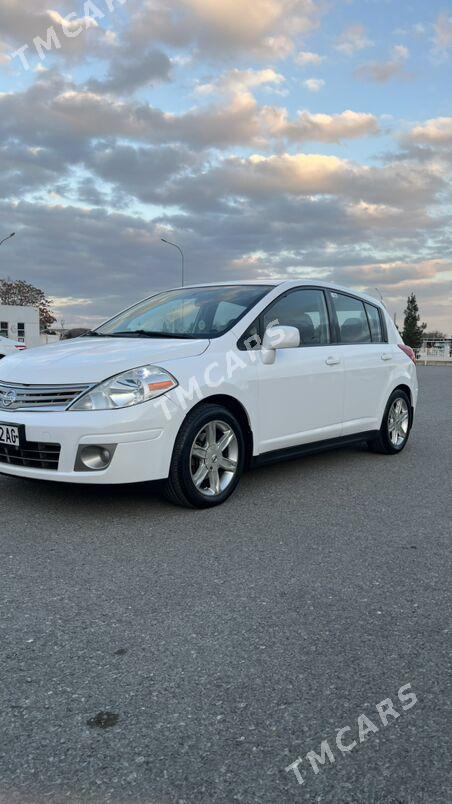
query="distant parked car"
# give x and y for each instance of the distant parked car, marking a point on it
(192, 385)
(69, 334)
(9, 347)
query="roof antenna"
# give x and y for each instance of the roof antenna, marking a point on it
(381, 297)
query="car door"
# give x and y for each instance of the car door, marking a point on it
(366, 358)
(301, 394)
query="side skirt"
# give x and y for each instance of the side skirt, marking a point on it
(278, 455)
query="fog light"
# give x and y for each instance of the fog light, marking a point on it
(94, 457)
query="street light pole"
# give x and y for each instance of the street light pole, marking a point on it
(7, 238)
(169, 243)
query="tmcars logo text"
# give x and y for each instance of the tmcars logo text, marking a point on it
(348, 737)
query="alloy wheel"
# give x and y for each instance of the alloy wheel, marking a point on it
(398, 422)
(214, 458)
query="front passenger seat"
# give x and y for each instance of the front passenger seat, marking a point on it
(306, 329)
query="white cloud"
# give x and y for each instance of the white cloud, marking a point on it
(263, 178)
(400, 52)
(330, 128)
(263, 28)
(314, 84)
(70, 301)
(353, 40)
(54, 106)
(84, 149)
(69, 25)
(399, 273)
(239, 83)
(4, 58)
(20, 23)
(437, 131)
(259, 25)
(383, 71)
(71, 37)
(306, 59)
(443, 31)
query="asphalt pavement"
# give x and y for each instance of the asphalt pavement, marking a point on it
(153, 654)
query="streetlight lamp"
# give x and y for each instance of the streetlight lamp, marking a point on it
(169, 243)
(7, 238)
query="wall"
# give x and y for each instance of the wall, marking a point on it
(29, 316)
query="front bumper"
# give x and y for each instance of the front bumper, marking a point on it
(143, 435)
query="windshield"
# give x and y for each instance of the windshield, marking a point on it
(203, 312)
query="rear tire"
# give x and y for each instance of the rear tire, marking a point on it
(395, 427)
(208, 458)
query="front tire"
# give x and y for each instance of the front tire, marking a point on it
(208, 458)
(395, 427)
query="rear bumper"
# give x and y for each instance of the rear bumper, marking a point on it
(144, 441)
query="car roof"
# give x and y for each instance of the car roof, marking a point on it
(234, 282)
(288, 284)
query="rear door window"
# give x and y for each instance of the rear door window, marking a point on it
(375, 323)
(352, 319)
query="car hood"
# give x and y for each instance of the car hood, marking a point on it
(90, 360)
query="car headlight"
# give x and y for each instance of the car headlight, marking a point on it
(127, 389)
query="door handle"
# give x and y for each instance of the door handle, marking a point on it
(332, 361)
(386, 356)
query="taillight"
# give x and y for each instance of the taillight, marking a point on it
(20, 348)
(408, 351)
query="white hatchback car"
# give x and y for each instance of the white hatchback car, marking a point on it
(192, 385)
(10, 347)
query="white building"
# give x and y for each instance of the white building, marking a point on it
(20, 324)
(436, 351)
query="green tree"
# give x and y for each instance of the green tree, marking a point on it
(25, 295)
(413, 331)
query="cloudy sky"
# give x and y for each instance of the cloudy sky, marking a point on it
(292, 138)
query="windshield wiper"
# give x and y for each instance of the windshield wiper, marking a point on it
(144, 333)
(93, 334)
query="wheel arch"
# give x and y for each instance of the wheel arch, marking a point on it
(407, 390)
(232, 404)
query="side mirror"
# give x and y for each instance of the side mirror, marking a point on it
(278, 337)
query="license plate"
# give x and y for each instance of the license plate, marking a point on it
(9, 435)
